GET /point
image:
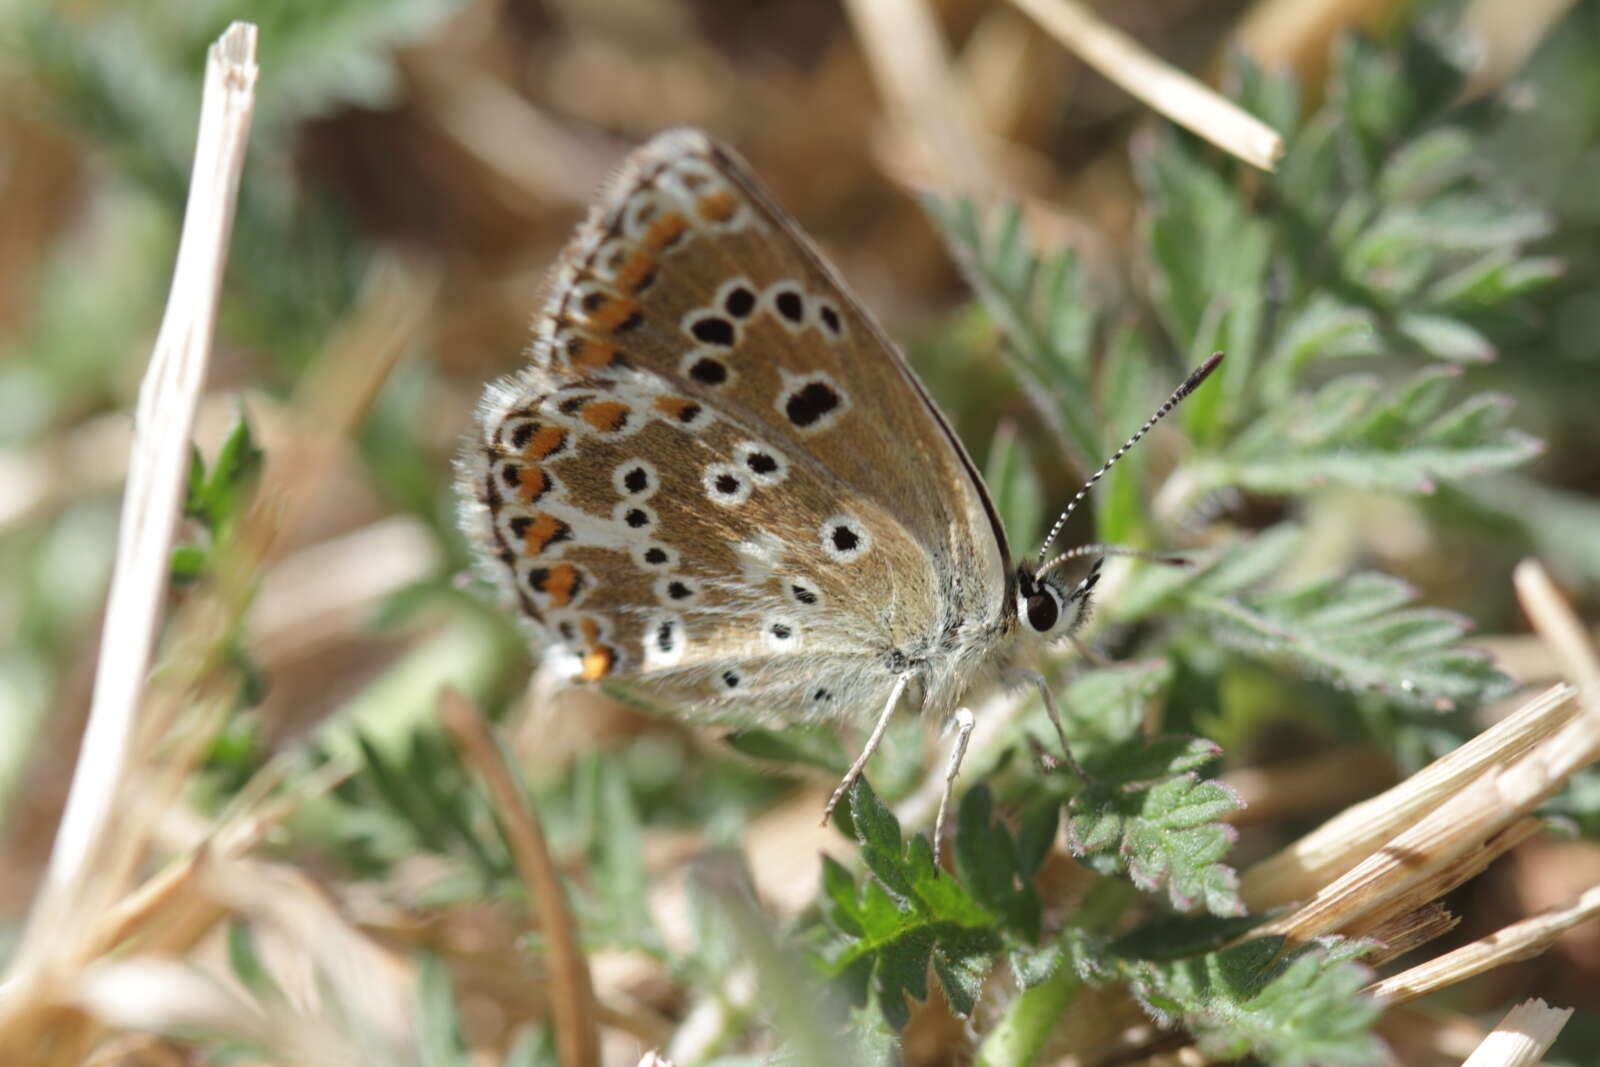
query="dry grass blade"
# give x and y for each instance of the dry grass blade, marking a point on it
(572, 992)
(168, 398)
(1522, 1037)
(911, 64)
(1517, 941)
(1156, 82)
(1348, 838)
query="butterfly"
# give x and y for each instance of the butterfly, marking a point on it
(717, 486)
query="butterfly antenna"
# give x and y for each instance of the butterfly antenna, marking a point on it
(1190, 384)
(1164, 558)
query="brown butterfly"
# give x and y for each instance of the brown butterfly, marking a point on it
(718, 487)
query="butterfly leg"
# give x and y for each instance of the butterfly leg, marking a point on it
(871, 746)
(1024, 676)
(963, 723)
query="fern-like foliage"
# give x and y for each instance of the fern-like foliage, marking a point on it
(1296, 1010)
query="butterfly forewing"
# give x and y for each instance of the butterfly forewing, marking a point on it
(717, 481)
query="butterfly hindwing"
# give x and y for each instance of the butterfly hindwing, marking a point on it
(717, 481)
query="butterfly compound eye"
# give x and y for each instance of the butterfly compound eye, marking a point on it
(1044, 611)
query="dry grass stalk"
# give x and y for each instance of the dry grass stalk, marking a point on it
(1518, 941)
(1345, 840)
(168, 399)
(1503, 36)
(1157, 83)
(1298, 33)
(911, 64)
(1521, 1038)
(571, 991)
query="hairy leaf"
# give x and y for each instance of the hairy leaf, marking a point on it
(1147, 813)
(1305, 1008)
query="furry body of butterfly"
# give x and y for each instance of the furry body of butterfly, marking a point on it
(717, 486)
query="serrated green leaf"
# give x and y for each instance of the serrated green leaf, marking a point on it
(1040, 305)
(1357, 633)
(1427, 164)
(909, 915)
(1147, 813)
(1354, 432)
(1304, 1009)
(1324, 328)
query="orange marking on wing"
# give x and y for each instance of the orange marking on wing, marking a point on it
(590, 630)
(607, 416)
(673, 406)
(613, 313)
(561, 583)
(545, 440)
(544, 529)
(532, 483)
(665, 230)
(718, 206)
(592, 355)
(597, 663)
(638, 271)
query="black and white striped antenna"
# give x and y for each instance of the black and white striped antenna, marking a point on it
(1190, 384)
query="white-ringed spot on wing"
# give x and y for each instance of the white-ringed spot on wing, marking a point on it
(830, 320)
(737, 299)
(787, 301)
(726, 484)
(675, 590)
(712, 329)
(636, 517)
(811, 402)
(822, 696)
(780, 633)
(730, 680)
(801, 592)
(635, 478)
(686, 414)
(652, 555)
(665, 641)
(766, 465)
(707, 367)
(845, 538)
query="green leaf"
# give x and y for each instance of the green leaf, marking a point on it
(439, 1041)
(1357, 633)
(1356, 432)
(1014, 486)
(1147, 813)
(1306, 1008)
(216, 496)
(1445, 338)
(908, 915)
(1041, 306)
(245, 961)
(810, 746)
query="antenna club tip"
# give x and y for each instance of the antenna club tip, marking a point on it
(1199, 374)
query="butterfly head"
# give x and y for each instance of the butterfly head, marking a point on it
(1050, 608)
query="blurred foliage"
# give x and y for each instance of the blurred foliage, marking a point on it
(1418, 261)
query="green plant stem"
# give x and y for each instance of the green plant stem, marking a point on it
(1022, 1031)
